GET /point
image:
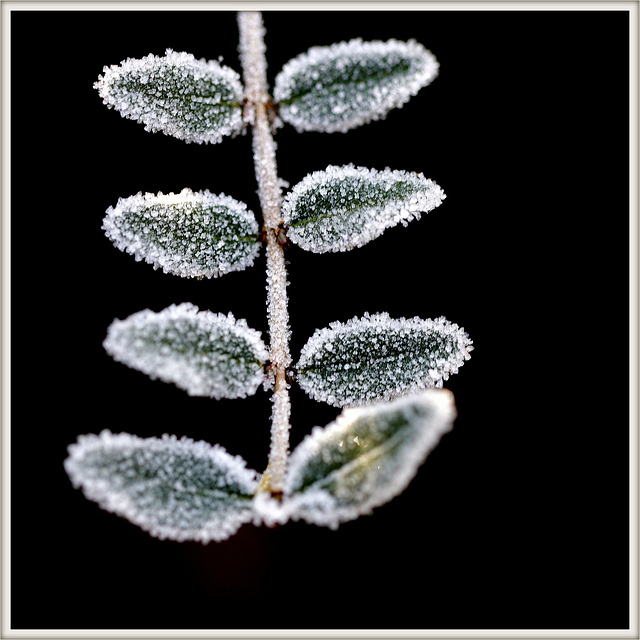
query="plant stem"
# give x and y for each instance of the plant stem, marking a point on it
(254, 66)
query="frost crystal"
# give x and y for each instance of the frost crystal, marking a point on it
(193, 100)
(345, 207)
(174, 489)
(204, 353)
(345, 85)
(377, 358)
(193, 235)
(360, 461)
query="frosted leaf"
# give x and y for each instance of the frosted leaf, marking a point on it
(378, 358)
(362, 460)
(345, 207)
(204, 353)
(193, 100)
(342, 86)
(173, 489)
(186, 234)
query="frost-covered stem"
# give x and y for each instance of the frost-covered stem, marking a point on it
(254, 66)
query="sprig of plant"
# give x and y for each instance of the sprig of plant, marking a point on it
(389, 368)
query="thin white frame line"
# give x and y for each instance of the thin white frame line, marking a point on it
(634, 269)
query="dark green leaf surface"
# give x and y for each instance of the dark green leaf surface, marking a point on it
(175, 489)
(376, 358)
(193, 100)
(204, 353)
(342, 86)
(364, 458)
(341, 208)
(192, 235)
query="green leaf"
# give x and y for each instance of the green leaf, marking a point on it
(362, 460)
(377, 358)
(193, 235)
(174, 489)
(345, 207)
(342, 86)
(204, 353)
(193, 100)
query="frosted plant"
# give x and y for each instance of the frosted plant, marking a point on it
(386, 373)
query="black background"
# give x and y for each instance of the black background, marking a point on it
(519, 518)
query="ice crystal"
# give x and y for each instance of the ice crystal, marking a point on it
(360, 461)
(187, 234)
(204, 353)
(377, 358)
(193, 100)
(345, 207)
(174, 489)
(347, 84)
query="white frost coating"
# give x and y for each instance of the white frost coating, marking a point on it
(269, 510)
(280, 417)
(360, 461)
(204, 353)
(348, 84)
(377, 357)
(252, 51)
(173, 489)
(189, 234)
(345, 207)
(193, 100)
(252, 56)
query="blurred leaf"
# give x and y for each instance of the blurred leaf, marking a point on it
(204, 353)
(193, 235)
(342, 86)
(193, 100)
(175, 489)
(377, 358)
(364, 458)
(345, 207)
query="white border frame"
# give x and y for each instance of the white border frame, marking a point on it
(5, 350)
